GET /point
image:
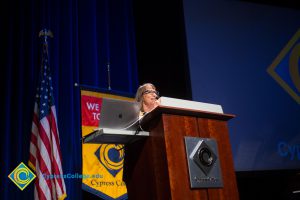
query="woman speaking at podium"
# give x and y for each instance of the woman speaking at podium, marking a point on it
(148, 97)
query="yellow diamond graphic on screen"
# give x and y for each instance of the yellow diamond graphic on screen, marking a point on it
(285, 68)
(21, 176)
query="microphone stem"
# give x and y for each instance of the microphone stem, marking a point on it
(108, 76)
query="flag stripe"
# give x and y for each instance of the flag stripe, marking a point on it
(45, 148)
(43, 190)
(41, 171)
(43, 165)
(57, 155)
(55, 130)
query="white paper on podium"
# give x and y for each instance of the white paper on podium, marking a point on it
(187, 104)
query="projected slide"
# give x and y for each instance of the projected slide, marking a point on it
(245, 57)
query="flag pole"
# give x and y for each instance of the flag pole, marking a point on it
(45, 155)
(45, 33)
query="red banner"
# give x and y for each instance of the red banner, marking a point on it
(90, 110)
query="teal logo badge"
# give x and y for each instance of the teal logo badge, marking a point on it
(285, 68)
(21, 176)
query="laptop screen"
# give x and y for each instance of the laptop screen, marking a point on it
(119, 114)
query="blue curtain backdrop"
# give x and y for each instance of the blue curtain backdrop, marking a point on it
(87, 36)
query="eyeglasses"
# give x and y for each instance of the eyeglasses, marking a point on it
(151, 91)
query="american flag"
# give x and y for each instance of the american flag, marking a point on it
(45, 155)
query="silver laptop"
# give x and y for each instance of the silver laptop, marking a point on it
(119, 123)
(119, 114)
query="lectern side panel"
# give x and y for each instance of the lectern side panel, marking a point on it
(175, 128)
(219, 131)
(137, 170)
(147, 173)
(159, 160)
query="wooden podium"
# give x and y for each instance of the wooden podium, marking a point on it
(156, 167)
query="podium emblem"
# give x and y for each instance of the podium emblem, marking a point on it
(203, 162)
(204, 157)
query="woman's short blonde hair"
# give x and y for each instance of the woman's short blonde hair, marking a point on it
(141, 90)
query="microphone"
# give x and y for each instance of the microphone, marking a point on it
(157, 95)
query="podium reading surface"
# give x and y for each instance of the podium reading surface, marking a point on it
(114, 136)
